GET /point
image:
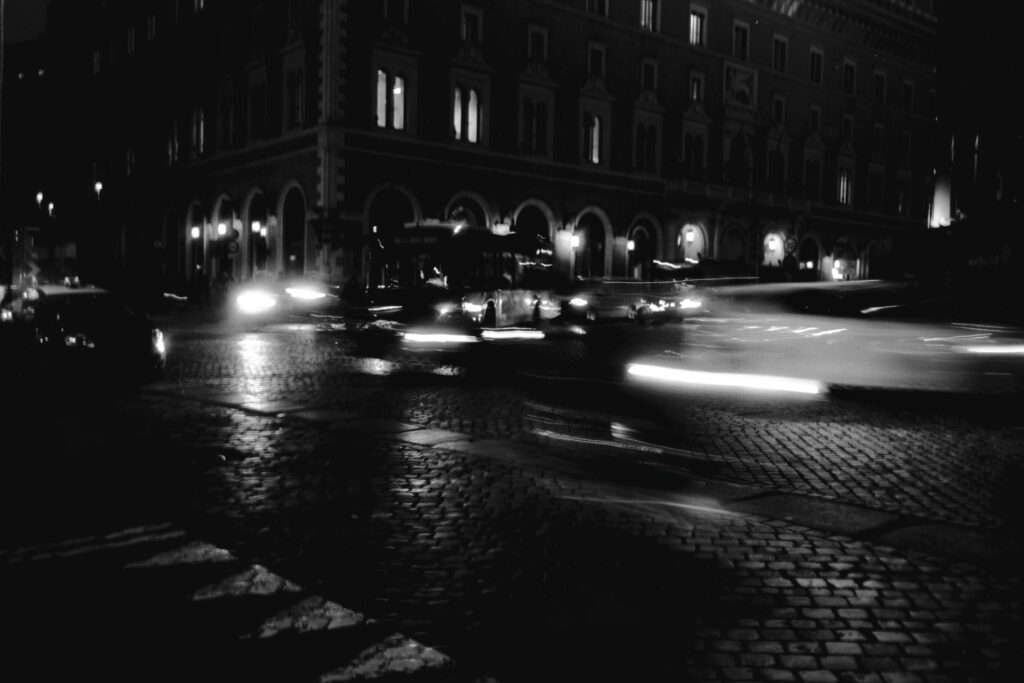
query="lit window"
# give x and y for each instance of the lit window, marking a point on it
(780, 47)
(198, 131)
(817, 66)
(398, 104)
(390, 102)
(197, 5)
(696, 88)
(698, 19)
(467, 114)
(740, 40)
(649, 14)
(592, 138)
(845, 185)
(382, 99)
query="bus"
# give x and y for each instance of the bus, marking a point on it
(428, 272)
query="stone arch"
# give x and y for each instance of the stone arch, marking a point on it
(593, 257)
(376, 209)
(388, 209)
(732, 245)
(529, 210)
(196, 234)
(256, 233)
(470, 207)
(296, 243)
(174, 239)
(692, 242)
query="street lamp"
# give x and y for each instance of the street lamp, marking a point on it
(39, 199)
(49, 209)
(98, 186)
(222, 229)
(195, 232)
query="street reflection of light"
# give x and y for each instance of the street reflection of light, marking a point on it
(438, 337)
(513, 333)
(384, 309)
(822, 334)
(376, 366)
(254, 352)
(726, 379)
(577, 301)
(997, 350)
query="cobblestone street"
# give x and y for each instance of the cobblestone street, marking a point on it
(542, 527)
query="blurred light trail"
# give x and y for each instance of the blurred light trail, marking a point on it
(726, 379)
(997, 350)
(512, 333)
(438, 338)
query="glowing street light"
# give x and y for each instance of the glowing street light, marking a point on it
(630, 245)
(39, 199)
(690, 236)
(222, 229)
(575, 241)
(98, 186)
(773, 242)
(195, 232)
(49, 208)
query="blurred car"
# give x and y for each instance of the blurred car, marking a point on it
(815, 337)
(76, 332)
(597, 299)
(273, 300)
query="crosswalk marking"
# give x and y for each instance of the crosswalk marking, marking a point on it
(314, 613)
(256, 580)
(396, 654)
(196, 552)
(167, 548)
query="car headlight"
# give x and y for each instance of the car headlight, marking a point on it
(689, 303)
(578, 302)
(255, 301)
(305, 293)
(158, 342)
(471, 307)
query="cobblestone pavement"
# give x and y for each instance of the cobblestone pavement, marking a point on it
(488, 518)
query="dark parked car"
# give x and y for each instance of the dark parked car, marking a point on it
(60, 332)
